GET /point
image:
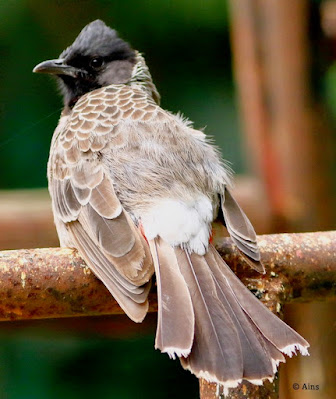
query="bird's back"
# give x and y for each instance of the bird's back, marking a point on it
(135, 188)
(152, 157)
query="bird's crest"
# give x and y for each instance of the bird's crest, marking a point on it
(98, 39)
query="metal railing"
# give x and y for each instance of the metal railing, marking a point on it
(55, 282)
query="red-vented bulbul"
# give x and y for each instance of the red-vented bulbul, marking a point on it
(135, 189)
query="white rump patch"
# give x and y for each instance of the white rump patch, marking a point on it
(289, 350)
(180, 223)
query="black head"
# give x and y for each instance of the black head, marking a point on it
(97, 58)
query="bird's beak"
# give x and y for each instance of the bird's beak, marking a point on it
(57, 67)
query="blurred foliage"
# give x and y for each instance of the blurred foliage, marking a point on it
(48, 359)
(330, 89)
(186, 45)
(44, 359)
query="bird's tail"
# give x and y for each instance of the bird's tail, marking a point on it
(213, 323)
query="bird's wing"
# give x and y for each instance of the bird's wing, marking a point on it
(85, 202)
(241, 230)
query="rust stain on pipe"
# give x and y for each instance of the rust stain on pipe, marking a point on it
(50, 283)
(269, 390)
(300, 267)
(55, 282)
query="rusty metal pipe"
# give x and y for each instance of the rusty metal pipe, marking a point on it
(55, 282)
(300, 267)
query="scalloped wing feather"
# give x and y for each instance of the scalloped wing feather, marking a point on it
(84, 200)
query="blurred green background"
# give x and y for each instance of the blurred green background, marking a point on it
(186, 45)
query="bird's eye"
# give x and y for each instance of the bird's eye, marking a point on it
(96, 62)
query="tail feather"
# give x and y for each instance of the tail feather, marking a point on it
(256, 353)
(216, 353)
(231, 335)
(175, 327)
(283, 337)
(250, 333)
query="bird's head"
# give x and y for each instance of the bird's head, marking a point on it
(97, 58)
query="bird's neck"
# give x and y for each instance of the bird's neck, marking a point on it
(142, 77)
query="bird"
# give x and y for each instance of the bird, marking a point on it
(135, 189)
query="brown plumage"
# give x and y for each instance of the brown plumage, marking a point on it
(134, 188)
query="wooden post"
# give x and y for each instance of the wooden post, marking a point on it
(286, 133)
